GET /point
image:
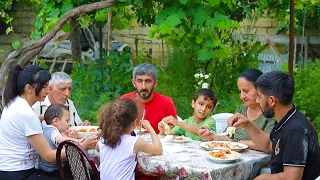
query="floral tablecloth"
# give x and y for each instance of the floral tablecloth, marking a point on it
(190, 161)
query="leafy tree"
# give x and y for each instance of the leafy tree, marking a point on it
(51, 12)
(280, 10)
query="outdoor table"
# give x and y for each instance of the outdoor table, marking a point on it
(190, 161)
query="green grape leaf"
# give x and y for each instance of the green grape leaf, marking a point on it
(77, 2)
(86, 22)
(205, 54)
(153, 30)
(173, 20)
(209, 43)
(42, 64)
(9, 29)
(181, 14)
(54, 13)
(199, 39)
(212, 22)
(101, 15)
(214, 2)
(161, 17)
(67, 1)
(184, 2)
(165, 29)
(15, 44)
(66, 8)
(38, 24)
(216, 42)
(66, 27)
(200, 16)
(36, 35)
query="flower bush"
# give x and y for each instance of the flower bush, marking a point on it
(202, 80)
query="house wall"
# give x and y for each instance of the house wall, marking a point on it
(23, 19)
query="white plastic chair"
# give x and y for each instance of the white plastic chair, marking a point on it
(179, 118)
(221, 121)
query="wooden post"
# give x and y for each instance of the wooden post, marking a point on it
(291, 41)
(136, 41)
(162, 52)
(64, 65)
(306, 44)
(109, 31)
(75, 40)
(100, 39)
(52, 65)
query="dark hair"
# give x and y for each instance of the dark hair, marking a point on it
(278, 84)
(208, 94)
(251, 75)
(115, 119)
(54, 111)
(20, 76)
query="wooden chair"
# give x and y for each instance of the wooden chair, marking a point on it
(80, 162)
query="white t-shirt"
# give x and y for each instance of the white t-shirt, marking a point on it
(18, 121)
(41, 107)
(118, 163)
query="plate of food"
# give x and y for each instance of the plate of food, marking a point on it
(224, 156)
(217, 145)
(85, 131)
(179, 139)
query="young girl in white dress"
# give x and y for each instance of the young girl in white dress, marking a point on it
(118, 149)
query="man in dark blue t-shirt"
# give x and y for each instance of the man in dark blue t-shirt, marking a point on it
(293, 142)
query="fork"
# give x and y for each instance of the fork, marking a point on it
(144, 113)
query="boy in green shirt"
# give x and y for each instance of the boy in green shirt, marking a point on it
(203, 105)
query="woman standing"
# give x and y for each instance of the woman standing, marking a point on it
(20, 128)
(250, 108)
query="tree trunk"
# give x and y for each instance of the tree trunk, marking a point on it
(75, 40)
(30, 50)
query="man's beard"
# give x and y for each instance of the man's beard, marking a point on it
(268, 112)
(147, 96)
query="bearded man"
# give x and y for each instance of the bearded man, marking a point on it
(293, 141)
(156, 105)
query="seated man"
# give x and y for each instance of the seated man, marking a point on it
(60, 90)
(293, 141)
(156, 105)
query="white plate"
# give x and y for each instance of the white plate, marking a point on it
(231, 157)
(85, 134)
(234, 146)
(185, 139)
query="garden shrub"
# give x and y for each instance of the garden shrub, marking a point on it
(178, 80)
(99, 82)
(307, 94)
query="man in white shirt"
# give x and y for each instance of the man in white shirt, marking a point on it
(60, 90)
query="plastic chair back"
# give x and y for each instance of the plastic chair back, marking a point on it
(221, 121)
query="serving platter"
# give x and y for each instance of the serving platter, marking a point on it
(218, 145)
